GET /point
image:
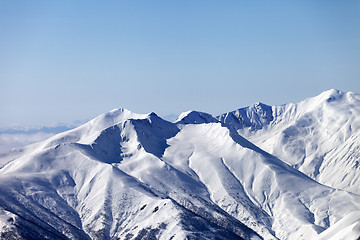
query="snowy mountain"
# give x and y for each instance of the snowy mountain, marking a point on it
(320, 136)
(137, 176)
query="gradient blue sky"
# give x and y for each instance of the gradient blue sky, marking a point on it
(72, 60)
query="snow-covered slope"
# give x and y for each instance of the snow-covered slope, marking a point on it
(73, 186)
(320, 136)
(346, 228)
(16, 137)
(136, 176)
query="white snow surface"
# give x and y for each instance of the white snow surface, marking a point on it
(136, 176)
(319, 136)
(347, 228)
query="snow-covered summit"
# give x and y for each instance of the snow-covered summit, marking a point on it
(253, 117)
(329, 95)
(137, 176)
(195, 117)
(319, 135)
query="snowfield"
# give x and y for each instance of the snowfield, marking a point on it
(280, 172)
(319, 136)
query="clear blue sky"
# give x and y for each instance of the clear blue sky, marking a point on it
(72, 60)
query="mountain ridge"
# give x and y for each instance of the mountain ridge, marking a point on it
(137, 176)
(305, 134)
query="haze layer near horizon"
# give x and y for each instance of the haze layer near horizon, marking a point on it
(64, 61)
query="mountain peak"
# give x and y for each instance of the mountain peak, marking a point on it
(332, 91)
(135, 176)
(330, 95)
(195, 117)
(254, 117)
(259, 104)
(114, 116)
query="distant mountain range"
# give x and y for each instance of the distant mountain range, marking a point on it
(260, 172)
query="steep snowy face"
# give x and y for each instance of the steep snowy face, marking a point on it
(319, 136)
(254, 186)
(108, 184)
(254, 117)
(131, 176)
(85, 134)
(152, 133)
